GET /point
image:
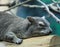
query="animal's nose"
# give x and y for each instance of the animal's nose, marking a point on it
(49, 32)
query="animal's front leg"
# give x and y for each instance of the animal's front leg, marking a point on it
(28, 33)
(11, 37)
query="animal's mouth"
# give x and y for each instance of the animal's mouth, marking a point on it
(44, 34)
(41, 34)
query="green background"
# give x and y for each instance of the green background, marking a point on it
(55, 26)
(25, 11)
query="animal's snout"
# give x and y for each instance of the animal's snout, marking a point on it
(45, 32)
(50, 32)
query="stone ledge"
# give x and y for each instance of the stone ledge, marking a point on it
(45, 41)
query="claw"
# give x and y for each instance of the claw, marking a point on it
(18, 41)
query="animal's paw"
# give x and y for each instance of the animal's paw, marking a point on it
(18, 41)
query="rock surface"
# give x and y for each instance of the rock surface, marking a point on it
(44, 41)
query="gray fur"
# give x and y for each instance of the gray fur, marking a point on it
(14, 28)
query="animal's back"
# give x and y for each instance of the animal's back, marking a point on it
(6, 20)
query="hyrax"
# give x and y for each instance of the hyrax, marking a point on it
(15, 29)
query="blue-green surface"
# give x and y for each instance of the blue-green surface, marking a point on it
(55, 26)
(24, 12)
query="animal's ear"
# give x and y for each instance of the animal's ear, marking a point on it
(31, 19)
(43, 17)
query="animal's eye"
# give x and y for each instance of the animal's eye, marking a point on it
(41, 24)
